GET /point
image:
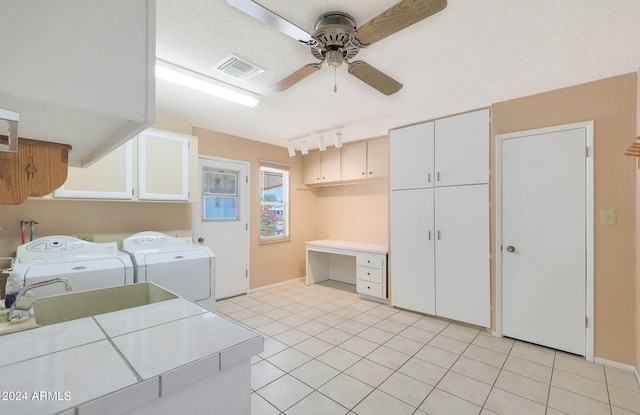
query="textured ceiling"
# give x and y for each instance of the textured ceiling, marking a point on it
(472, 54)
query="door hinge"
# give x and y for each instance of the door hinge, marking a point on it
(246, 273)
(587, 152)
(246, 226)
(246, 179)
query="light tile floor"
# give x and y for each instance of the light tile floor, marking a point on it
(328, 352)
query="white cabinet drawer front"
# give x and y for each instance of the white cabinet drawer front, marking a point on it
(373, 261)
(369, 274)
(369, 288)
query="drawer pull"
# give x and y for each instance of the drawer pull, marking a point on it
(179, 257)
(79, 268)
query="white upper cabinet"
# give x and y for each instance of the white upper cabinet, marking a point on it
(462, 149)
(79, 72)
(163, 165)
(412, 156)
(354, 160)
(322, 166)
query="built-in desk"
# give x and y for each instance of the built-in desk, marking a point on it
(362, 264)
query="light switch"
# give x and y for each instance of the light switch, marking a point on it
(607, 216)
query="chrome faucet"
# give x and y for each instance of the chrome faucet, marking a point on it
(23, 310)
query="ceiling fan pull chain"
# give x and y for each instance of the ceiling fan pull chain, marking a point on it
(335, 80)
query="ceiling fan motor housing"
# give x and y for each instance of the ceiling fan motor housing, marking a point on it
(334, 34)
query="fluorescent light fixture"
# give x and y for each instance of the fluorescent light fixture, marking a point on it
(304, 149)
(321, 145)
(338, 139)
(292, 151)
(184, 77)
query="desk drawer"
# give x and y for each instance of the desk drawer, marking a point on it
(369, 288)
(373, 261)
(369, 274)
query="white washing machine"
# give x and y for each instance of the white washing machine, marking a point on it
(87, 265)
(176, 264)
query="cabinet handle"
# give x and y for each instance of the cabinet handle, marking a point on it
(370, 173)
(438, 177)
(363, 173)
(429, 235)
(429, 178)
(438, 235)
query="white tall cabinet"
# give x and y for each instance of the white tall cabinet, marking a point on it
(439, 218)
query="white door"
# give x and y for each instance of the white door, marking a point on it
(462, 254)
(545, 241)
(411, 246)
(220, 221)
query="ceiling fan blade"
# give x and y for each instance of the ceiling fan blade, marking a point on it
(297, 76)
(396, 18)
(268, 17)
(373, 77)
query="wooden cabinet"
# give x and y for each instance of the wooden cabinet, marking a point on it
(156, 165)
(79, 72)
(322, 166)
(35, 170)
(439, 218)
(365, 159)
(354, 162)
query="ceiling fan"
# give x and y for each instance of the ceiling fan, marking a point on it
(337, 39)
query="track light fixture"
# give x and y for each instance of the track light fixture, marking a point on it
(322, 146)
(338, 139)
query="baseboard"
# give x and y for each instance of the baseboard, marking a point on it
(618, 365)
(278, 284)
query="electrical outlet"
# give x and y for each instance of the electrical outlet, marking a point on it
(86, 237)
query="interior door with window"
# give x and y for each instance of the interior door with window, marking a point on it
(220, 221)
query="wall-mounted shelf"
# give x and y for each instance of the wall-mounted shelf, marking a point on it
(634, 150)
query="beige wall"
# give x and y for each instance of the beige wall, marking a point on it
(354, 212)
(637, 293)
(611, 103)
(274, 262)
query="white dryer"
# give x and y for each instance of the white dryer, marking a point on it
(87, 265)
(176, 264)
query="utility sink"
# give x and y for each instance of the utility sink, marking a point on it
(76, 305)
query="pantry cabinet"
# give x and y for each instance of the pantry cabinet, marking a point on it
(156, 165)
(439, 218)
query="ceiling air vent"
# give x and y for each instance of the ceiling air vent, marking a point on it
(238, 68)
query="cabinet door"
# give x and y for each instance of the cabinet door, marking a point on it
(354, 161)
(411, 155)
(108, 178)
(462, 149)
(312, 168)
(462, 254)
(378, 158)
(412, 250)
(163, 165)
(331, 164)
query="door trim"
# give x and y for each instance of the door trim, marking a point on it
(246, 202)
(589, 243)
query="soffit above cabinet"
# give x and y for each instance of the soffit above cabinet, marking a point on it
(79, 72)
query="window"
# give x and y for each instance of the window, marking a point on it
(274, 203)
(219, 195)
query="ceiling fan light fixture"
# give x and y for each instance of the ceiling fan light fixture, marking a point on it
(338, 139)
(193, 80)
(333, 58)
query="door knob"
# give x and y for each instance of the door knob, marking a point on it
(200, 240)
(511, 248)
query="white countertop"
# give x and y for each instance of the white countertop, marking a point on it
(350, 245)
(79, 361)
